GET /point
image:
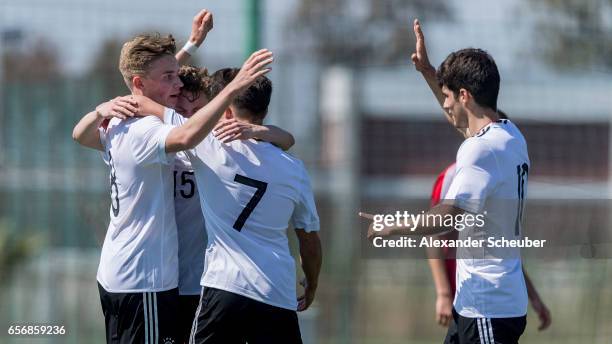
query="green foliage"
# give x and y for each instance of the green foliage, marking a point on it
(575, 34)
(105, 69)
(353, 32)
(16, 247)
(39, 62)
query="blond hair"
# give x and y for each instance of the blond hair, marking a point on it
(140, 52)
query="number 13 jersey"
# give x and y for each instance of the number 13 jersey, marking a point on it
(140, 250)
(250, 192)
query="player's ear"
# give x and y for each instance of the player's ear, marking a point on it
(229, 113)
(464, 96)
(137, 82)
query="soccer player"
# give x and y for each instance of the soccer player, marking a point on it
(195, 94)
(138, 271)
(190, 222)
(442, 262)
(443, 265)
(253, 191)
(492, 166)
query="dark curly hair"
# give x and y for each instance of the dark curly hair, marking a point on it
(195, 81)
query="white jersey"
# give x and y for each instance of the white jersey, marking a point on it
(449, 175)
(253, 191)
(491, 179)
(140, 251)
(190, 226)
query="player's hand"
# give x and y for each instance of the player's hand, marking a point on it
(200, 27)
(543, 314)
(233, 129)
(444, 310)
(305, 300)
(146, 106)
(372, 233)
(419, 57)
(120, 107)
(254, 67)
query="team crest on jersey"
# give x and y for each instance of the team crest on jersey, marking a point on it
(169, 340)
(483, 131)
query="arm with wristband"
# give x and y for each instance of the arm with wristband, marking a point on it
(200, 27)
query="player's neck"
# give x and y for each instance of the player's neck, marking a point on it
(139, 92)
(480, 119)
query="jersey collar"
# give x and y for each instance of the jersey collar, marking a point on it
(483, 130)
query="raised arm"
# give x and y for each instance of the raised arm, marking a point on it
(200, 27)
(202, 122)
(234, 129)
(311, 257)
(427, 70)
(198, 126)
(422, 64)
(86, 131)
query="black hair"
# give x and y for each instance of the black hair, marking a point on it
(473, 70)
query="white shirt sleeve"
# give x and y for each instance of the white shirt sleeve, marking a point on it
(102, 134)
(173, 117)
(305, 213)
(104, 153)
(203, 148)
(474, 179)
(148, 141)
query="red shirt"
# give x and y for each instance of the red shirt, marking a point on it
(440, 187)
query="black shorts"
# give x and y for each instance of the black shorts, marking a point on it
(148, 318)
(227, 318)
(187, 306)
(464, 330)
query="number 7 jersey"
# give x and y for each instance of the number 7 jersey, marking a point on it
(249, 192)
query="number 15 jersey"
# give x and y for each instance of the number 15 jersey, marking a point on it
(250, 191)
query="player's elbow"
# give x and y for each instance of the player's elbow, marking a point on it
(185, 142)
(189, 141)
(179, 140)
(77, 135)
(290, 142)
